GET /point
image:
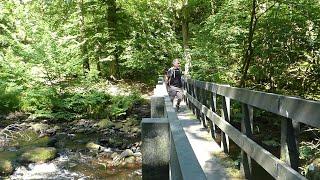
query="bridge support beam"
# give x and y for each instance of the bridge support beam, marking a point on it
(247, 129)
(226, 116)
(155, 148)
(289, 142)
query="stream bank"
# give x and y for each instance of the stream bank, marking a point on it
(81, 149)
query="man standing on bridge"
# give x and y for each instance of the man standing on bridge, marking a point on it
(175, 83)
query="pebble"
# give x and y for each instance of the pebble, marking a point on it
(71, 135)
(137, 154)
(108, 150)
(138, 172)
(12, 149)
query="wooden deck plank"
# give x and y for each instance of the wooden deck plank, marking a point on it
(204, 147)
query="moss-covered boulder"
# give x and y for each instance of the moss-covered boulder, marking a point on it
(6, 167)
(94, 147)
(39, 127)
(39, 155)
(104, 123)
(130, 159)
(30, 139)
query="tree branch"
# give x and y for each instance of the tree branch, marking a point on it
(257, 17)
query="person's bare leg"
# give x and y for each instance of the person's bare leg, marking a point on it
(179, 95)
(172, 93)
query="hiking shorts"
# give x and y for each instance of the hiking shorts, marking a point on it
(175, 92)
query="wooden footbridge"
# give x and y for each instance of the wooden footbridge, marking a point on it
(174, 145)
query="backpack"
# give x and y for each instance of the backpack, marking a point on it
(170, 73)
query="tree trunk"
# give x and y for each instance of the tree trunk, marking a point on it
(213, 6)
(249, 51)
(112, 26)
(84, 50)
(185, 36)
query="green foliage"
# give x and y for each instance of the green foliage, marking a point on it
(306, 152)
(91, 103)
(9, 98)
(121, 104)
(38, 100)
(285, 44)
(152, 44)
(219, 43)
(43, 46)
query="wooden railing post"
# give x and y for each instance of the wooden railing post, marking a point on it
(196, 93)
(289, 143)
(246, 128)
(213, 107)
(193, 95)
(202, 100)
(189, 92)
(226, 117)
(186, 89)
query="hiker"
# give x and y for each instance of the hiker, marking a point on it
(174, 82)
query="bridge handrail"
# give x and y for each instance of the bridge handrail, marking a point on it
(308, 112)
(301, 110)
(182, 161)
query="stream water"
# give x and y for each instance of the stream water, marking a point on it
(72, 166)
(74, 161)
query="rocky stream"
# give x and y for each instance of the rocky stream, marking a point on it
(80, 149)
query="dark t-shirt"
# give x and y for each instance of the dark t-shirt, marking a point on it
(174, 75)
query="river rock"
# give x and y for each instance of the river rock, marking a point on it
(71, 136)
(39, 154)
(12, 149)
(133, 149)
(126, 153)
(118, 159)
(6, 167)
(16, 116)
(117, 127)
(313, 172)
(113, 155)
(95, 147)
(81, 122)
(138, 172)
(139, 159)
(137, 154)
(39, 127)
(51, 131)
(138, 149)
(52, 141)
(90, 131)
(80, 130)
(104, 140)
(130, 160)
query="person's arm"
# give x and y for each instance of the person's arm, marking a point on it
(168, 75)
